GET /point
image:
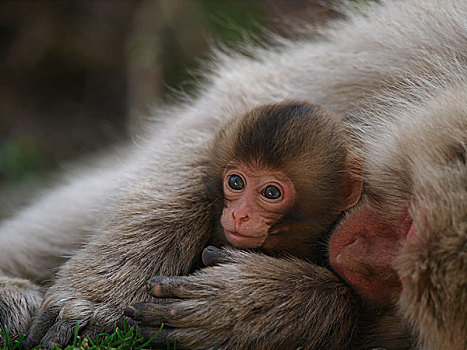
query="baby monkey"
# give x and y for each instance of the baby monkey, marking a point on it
(285, 174)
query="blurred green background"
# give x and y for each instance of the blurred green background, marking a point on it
(76, 76)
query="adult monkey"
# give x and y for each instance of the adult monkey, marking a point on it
(398, 74)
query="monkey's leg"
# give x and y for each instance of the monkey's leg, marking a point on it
(43, 235)
(158, 226)
(306, 306)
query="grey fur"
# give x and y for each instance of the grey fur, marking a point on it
(396, 73)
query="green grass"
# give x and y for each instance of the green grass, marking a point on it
(126, 339)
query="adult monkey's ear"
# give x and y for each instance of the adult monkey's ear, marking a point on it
(352, 182)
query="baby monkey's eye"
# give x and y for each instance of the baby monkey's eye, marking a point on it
(272, 192)
(236, 182)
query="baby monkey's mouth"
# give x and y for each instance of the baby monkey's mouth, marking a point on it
(243, 241)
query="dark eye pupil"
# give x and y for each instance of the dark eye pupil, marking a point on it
(236, 182)
(271, 192)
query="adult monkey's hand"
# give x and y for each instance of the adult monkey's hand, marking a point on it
(250, 300)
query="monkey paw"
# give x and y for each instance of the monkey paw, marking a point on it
(19, 300)
(61, 313)
(249, 300)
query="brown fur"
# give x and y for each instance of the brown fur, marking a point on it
(396, 71)
(304, 142)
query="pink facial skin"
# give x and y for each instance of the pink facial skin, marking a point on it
(362, 250)
(250, 207)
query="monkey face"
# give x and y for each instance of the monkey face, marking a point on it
(255, 199)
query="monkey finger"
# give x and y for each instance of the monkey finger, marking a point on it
(173, 287)
(213, 256)
(150, 314)
(59, 335)
(40, 326)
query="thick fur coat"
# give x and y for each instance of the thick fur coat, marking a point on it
(395, 71)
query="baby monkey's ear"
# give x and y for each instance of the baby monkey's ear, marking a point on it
(352, 182)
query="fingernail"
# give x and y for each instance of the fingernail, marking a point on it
(154, 285)
(129, 311)
(148, 287)
(211, 248)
